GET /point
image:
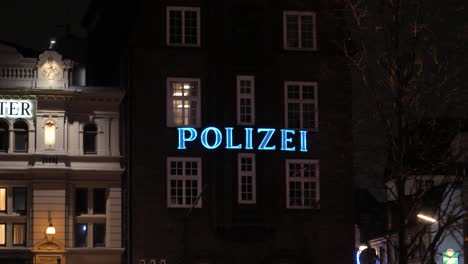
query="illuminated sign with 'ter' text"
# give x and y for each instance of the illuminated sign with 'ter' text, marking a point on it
(16, 108)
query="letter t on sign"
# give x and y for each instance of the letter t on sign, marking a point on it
(182, 136)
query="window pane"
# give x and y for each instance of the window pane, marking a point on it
(19, 200)
(2, 234)
(294, 115)
(3, 197)
(81, 235)
(89, 138)
(19, 234)
(3, 137)
(292, 31)
(81, 201)
(99, 201)
(307, 32)
(21, 140)
(175, 26)
(190, 27)
(99, 235)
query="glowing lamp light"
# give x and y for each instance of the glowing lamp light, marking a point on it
(426, 218)
(83, 228)
(362, 248)
(49, 133)
(50, 230)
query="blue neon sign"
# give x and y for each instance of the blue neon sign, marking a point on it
(212, 138)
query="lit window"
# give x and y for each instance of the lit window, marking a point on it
(89, 138)
(183, 26)
(184, 182)
(246, 178)
(2, 234)
(20, 200)
(245, 100)
(299, 30)
(301, 105)
(15, 211)
(3, 200)
(302, 184)
(183, 101)
(19, 234)
(4, 136)
(20, 129)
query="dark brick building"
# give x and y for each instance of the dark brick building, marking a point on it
(236, 64)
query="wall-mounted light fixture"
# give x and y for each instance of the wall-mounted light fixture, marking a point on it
(49, 134)
(50, 231)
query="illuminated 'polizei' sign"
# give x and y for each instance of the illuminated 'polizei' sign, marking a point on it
(212, 138)
(16, 108)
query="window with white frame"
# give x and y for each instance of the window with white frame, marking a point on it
(299, 30)
(245, 100)
(90, 217)
(184, 181)
(301, 105)
(13, 210)
(302, 184)
(183, 102)
(183, 26)
(246, 178)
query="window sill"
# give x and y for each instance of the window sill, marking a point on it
(183, 45)
(300, 49)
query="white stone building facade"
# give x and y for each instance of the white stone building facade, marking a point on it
(60, 163)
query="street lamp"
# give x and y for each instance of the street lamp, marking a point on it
(426, 218)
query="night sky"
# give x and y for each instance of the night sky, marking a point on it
(31, 23)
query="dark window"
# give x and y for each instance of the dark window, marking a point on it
(81, 235)
(20, 200)
(99, 235)
(20, 129)
(19, 234)
(89, 138)
(4, 138)
(81, 201)
(99, 201)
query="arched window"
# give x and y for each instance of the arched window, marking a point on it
(89, 139)
(20, 128)
(4, 138)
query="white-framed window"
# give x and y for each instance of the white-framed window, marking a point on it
(90, 217)
(301, 105)
(13, 216)
(183, 102)
(183, 26)
(302, 184)
(245, 100)
(246, 178)
(184, 179)
(299, 30)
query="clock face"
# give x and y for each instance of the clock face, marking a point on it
(50, 70)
